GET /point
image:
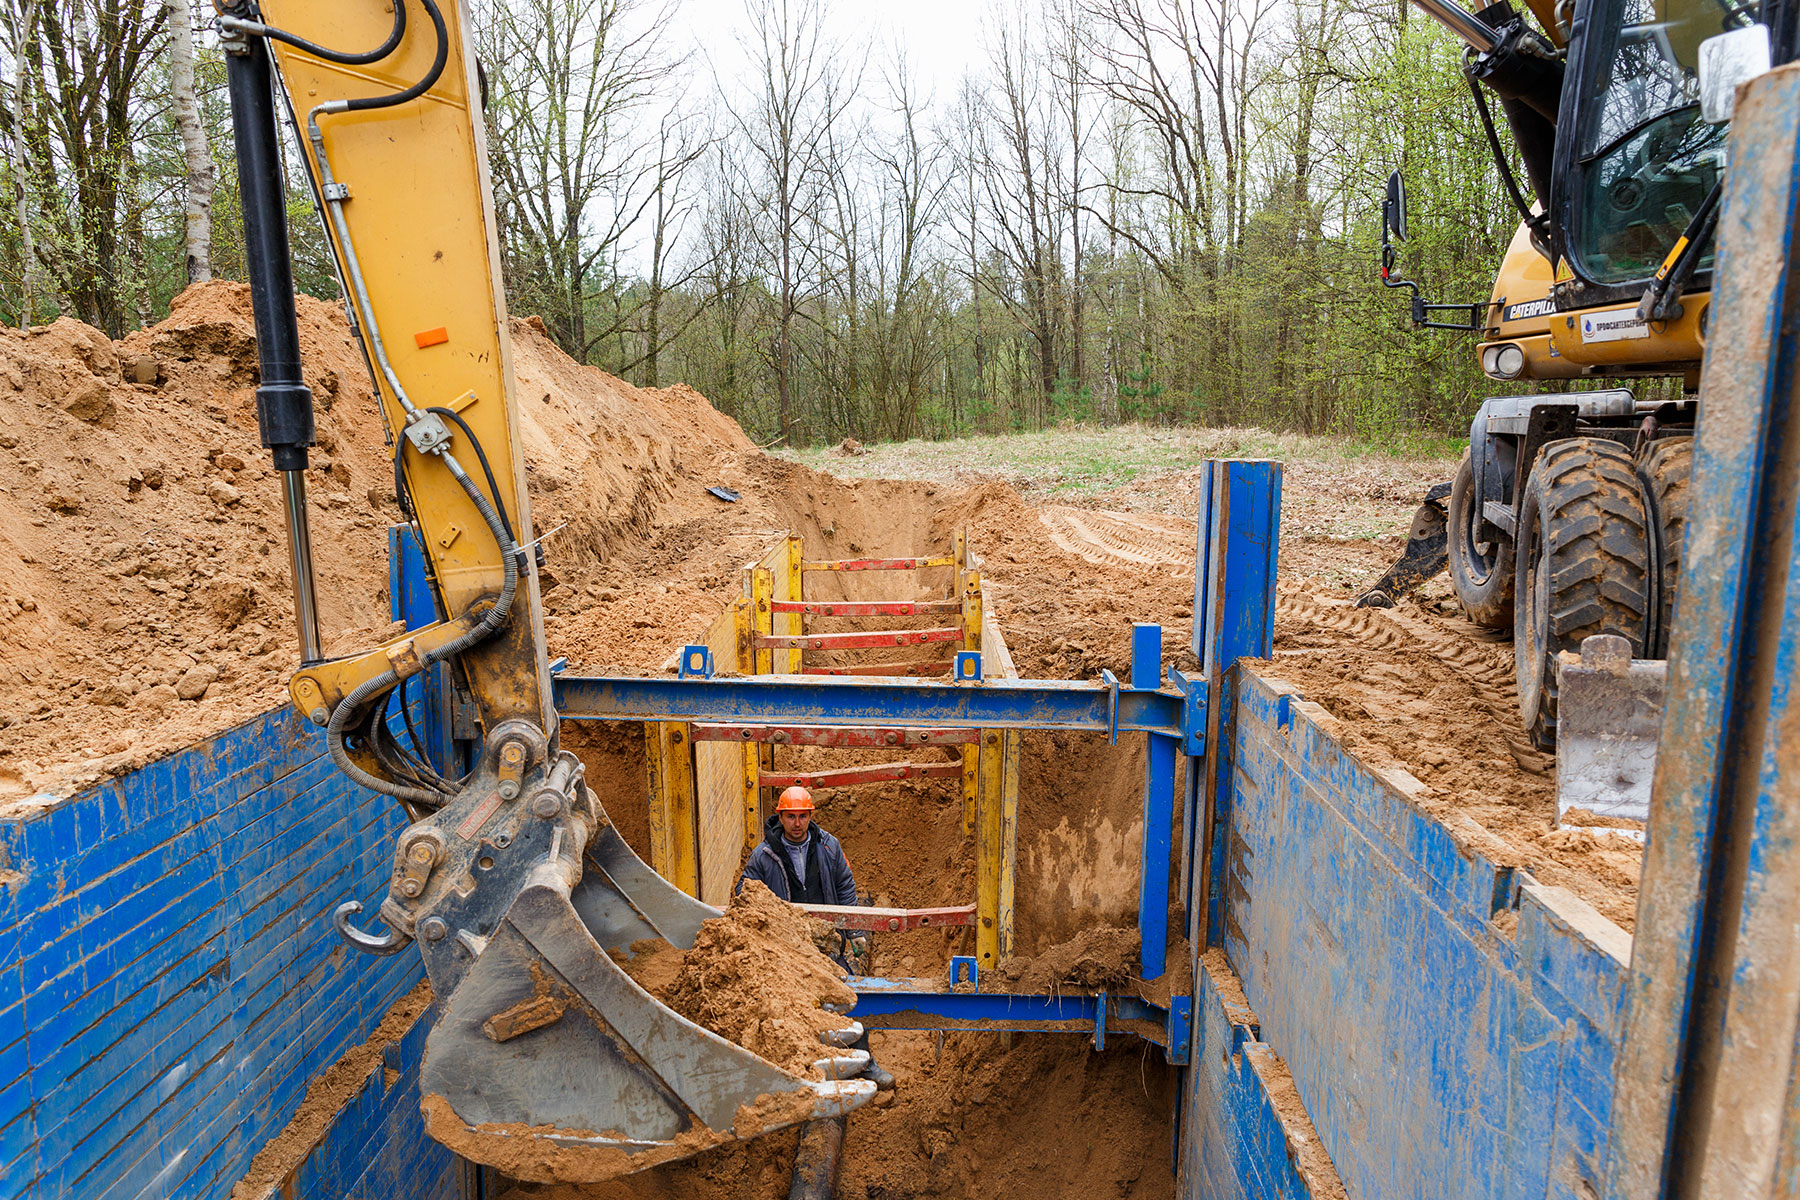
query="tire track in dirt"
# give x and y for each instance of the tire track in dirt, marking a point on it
(1121, 539)
(1490, 678)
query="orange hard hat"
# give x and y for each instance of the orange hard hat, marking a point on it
(794, 799)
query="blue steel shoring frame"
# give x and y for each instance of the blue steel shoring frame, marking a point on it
(1236, 546)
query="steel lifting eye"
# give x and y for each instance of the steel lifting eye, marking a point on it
(391, 942)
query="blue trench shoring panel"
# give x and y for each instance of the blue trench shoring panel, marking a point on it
(170, 983)
(1441, 1049)
(169, 979)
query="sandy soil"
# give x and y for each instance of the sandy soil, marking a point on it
(148, 608)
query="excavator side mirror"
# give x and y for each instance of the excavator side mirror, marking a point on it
(1393, 209)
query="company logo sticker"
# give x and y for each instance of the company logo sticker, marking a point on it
(1613, 325)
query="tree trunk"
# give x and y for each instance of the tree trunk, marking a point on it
(186, 106)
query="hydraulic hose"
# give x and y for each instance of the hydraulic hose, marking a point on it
(258, 29)
(345, 715)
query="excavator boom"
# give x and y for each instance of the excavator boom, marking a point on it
(547, 1059)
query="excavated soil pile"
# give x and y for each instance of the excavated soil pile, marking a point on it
(753, 976)
(148, 602)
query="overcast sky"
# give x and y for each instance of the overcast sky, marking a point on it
(942, 38)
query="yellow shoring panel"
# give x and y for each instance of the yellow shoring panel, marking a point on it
(968, 590)
(1009, 840)
(678, 781)
(988, 856)
(718, 778)
(661, 850)
(762, 591)
(794, 589)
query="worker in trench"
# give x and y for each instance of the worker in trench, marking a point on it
(803, 864)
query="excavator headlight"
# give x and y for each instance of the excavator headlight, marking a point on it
(1506, 361)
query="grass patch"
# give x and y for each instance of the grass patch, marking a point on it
(1084, 460)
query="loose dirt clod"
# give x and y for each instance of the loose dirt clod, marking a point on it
(754, 977)
(1102, 959)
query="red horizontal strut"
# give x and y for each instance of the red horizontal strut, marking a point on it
(865, 608)
(847, 776)
(930, 667)
(857, 641)
(878, 564)
(851, 736)
(888, 920)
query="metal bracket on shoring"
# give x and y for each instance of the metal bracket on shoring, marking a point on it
(696, 662)
(965, 969)
(1112, 706)
(967, 668)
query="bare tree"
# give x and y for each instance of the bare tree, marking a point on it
(783, 127)
(1020, 194)
(571, 173)
(913, 181)
(681, 142)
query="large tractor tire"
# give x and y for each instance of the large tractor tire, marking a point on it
(1663, 469)
(1583, 566)
(1481, 572)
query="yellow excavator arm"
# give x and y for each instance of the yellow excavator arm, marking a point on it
(510, 880)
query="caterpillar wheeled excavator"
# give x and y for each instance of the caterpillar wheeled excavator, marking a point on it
(1565, 517)
(510, 880)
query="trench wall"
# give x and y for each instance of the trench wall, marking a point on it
(1450, 1025)
(170, 982)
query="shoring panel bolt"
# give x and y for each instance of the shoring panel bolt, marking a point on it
(891, 738)
(410, 888)
(434, 929)
(509, 789)
(547, 805)
(319, 716)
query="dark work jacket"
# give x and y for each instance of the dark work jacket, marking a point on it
(828, 878)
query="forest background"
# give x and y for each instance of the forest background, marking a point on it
(1162, 211)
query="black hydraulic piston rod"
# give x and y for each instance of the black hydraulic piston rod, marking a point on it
(284, 404)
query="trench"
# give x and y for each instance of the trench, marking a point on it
(972, 1113)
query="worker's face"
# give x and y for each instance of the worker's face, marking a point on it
(794, 825)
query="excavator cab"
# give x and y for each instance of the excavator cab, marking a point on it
(547, 1059)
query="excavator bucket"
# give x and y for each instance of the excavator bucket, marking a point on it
(1427, 552)
(551, 1064)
